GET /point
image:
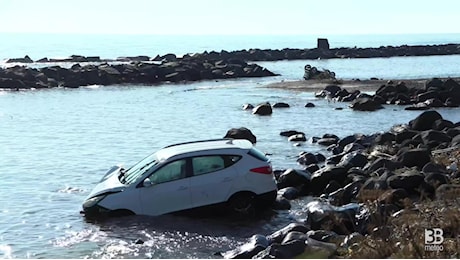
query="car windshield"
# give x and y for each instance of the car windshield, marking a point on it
(132, 174)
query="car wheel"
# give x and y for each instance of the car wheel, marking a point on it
(242, 204)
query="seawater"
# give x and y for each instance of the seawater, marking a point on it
(56, 144)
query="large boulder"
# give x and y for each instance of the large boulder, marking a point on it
(281, 105)
(424, 121)
(321, 178)
(414, 157)
(288, 133)
(433, 138)
(293, 178)
(241, 133)
(408, 181)
(279, 235)
(365, 104)
(255, 244)
(263, 109)
(341, 220)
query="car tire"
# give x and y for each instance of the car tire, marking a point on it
(242, 204)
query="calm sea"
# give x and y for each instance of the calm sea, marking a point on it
(55, 144)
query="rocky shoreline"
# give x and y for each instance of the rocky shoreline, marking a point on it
(419, 94)
(372, 198)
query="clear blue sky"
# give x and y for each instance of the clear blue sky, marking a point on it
(230, 16)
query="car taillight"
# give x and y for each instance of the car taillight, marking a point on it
(262, 170)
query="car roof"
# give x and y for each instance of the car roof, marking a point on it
(202, 145)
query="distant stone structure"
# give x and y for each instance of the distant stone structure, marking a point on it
(323, 44)
(313, 73)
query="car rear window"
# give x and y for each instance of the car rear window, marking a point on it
(258, 154)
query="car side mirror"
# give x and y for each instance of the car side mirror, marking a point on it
(147, 183)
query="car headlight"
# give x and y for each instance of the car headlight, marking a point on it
(93, 201)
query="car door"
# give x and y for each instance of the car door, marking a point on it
(212, 179)
(169, 190)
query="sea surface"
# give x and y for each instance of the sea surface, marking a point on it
(56, 144)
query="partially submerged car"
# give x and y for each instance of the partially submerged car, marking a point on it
(228, 172)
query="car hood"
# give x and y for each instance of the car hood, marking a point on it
(108, 184)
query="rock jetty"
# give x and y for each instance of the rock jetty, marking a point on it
(135, 72)
(255, 54)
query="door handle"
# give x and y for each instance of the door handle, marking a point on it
(182, 188)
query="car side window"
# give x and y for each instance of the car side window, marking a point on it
(212, 163)
(170, 172)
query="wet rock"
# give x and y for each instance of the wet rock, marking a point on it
(255, 244)
(279, 235)
(424, 121)
(138, 241)
(293, 178)
(294, 243)
(309, 104)
(264, 109)
(297, 138)
(307, 158)
(323, 176)
(332, 186)
(248, 107)
(322, 215)
(353, 147)
(291, 133)
(385, 138)
(353, 159)
(281, 105)
(241, 133)
(325, 236)
(347, 140)
(347, 194)
(281, 203)
(320, 157)
(289, 193)
(365, 104)
(327, 141)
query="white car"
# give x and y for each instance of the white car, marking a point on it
(185, 176)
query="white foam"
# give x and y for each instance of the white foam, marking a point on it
(5, 251)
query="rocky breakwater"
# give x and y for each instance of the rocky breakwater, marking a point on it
(372, 198)
(334, 53)
(435, 93)
(136, 72)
